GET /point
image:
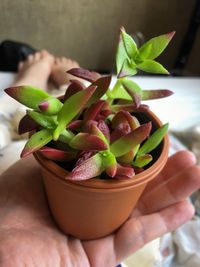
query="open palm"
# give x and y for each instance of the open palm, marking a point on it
(29, 236)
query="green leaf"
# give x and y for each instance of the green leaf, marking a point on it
(109, 163)
(128, 69)
(36, 141)
(127, 142)
(152, 66)
(142, 161)
(153, 141)
(95, 130)
(118, 91)
(50, 106)
(129, 44)
(133, 90)
(121, 94)
(71, 108)
(43, 120)
(126, 158)
(155, 46)
(66, 136)
(121, 55)
(27, 95)
(144, 54)
(88, 142)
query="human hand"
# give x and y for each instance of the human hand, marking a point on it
(29, 236)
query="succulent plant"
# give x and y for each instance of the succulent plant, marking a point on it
(94, 131)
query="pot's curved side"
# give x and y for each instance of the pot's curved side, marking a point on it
(89, 214)
(95, 208)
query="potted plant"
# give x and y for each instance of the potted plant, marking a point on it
(98, 146)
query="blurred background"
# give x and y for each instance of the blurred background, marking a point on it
(87, 30)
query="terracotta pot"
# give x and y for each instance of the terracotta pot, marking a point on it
(95, 208)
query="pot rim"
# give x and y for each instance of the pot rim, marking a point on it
(95, 183)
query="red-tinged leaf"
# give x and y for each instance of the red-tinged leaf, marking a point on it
(50, 106)
(126, 107)
(85, 141)
(27, 124)
(86, 127)
(103, 127)
(90, 168)
(133, 90)
(119, 132)
(90, 76)
(121, 54)
(126, 143)
(71, 108)
(36, 141)
(155, 46)
(128, 69)
(111, 170)
(83, 156)
(130, 108)
(78, 83)
(73, 88)
(154, 94)
(92, 112)
(124, 172)
(27, 95)
(142, 108)
(96, 131)
(75, 125)
(129, 44)
(127, 158)
(135, 97)
(57, 154)
(61, 98)
(123, 117)
(105, 113)
(102, 86)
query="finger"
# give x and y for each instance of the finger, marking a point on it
(37, 56)
(137, 232)
(30, 59)
(176, 163)
(173, 190)
(20, 65)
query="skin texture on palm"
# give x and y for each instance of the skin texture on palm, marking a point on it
(29, 236)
